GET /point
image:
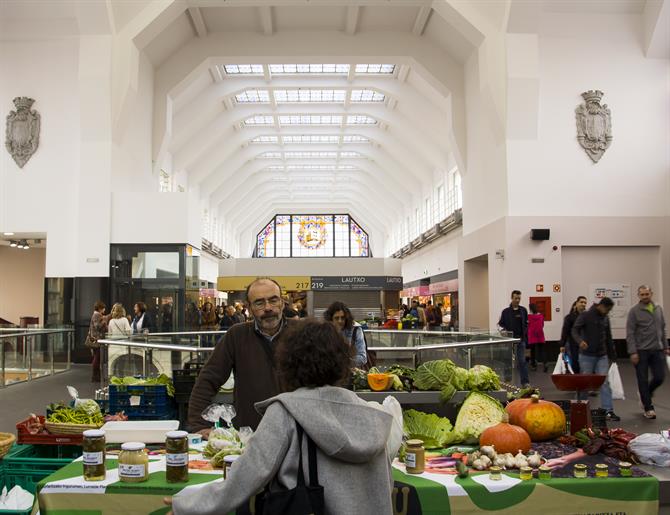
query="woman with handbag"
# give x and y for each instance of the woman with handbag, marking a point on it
(316, 434)
(118, 325)
(96, 330)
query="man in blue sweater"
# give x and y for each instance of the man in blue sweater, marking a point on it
(514, 319)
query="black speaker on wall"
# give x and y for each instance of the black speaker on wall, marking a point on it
(539, 234)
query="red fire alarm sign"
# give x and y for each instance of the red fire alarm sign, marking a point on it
(539, 287)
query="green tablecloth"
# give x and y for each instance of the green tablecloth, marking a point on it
(66, 493)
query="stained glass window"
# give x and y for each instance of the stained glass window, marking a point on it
(312, 236)
(266, 241)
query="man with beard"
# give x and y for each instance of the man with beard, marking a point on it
(248, 350)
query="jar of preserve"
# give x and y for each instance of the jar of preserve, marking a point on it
(526, 473)
(544, 472)
(580, 471)
(602, 470)
(133, 463)
(415, 457)
(625, 469)
(94, 455)
(176, 456)
(495, 473)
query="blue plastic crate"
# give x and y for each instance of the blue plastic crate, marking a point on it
(145, 401)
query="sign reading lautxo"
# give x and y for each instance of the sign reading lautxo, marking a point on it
(356, 282)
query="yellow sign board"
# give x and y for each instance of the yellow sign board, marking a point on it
(287, 282)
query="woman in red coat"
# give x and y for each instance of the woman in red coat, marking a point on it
(536, 337)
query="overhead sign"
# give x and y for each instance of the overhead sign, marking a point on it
(443, 286)
(356, 282)
(287, 282)
(416, 291)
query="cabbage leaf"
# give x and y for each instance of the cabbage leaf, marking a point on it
(482, 378)
(478, 412)
(434, 431)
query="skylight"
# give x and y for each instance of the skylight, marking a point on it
(275, 168)
(292, 69)
(375, 68)
(360, 119)
(255, 96)
(311, 138)
(260, 120)
(355, 138)
(265, 139)
(346, 167)
(310, 167)
(314, 119)
(310, 155)
(270, 155)
(348, 154)
(285, 96)
(366, 95)
(243, 69)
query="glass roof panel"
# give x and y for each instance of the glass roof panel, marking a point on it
(275, 168)
(265, 139)
(269, 155)
(355, 138)
(311, 138)
(346, 154)
(347, 167)
(366, 96)
(294, 69)
(375, 68)
(255, 96)
(313, 119)
(306, 95)
(260, 119)
(310, 155)
(360, 119)
(243, 69)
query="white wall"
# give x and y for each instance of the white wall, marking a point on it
(42, 197)
(439, 257)
(21, 283)
(548, 172)
(209, 267)
(309, 266)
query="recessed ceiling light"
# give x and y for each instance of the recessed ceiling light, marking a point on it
(8, 233)
(19, 246)
(13, 244)
(26, 247)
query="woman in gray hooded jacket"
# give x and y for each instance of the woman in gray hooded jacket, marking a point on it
(356, 441)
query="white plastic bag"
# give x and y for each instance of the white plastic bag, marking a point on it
(560, 365)
(652, 449)
(667, 360)
(614, 379)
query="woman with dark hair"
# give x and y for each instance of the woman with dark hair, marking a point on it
(97, 330)
(340, 315)
(142, 323)
(208, 323)
(536, 337)
(355, 441)
(567, 341)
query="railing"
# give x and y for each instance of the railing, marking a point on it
(149, 354)
(27, 354)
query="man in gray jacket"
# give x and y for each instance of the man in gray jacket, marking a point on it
(647, 346)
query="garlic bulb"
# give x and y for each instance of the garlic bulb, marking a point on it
(488, 450)
(485, 460)
(478, 464)
(535, 460)
(510, 462)
(500, 461)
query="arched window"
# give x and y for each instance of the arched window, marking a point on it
(312, 236)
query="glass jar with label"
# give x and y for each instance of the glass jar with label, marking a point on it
(133, 463)
(602, 470)
(625, 469)
(580, 471)
(176, 456)
(94, 455)
(415, 457)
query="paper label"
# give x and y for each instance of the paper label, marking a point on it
(132, 470)
(176, 460)
(93, 458)
(410, 459)
(135, 400)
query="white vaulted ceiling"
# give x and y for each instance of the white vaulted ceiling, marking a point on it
(309, 106)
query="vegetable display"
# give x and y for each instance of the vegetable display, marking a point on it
(610, 442)
(134, 381)
(478, 412)
(379, 382)
(79, 415)
(543, 420)
(221, 443)
(482, 378)
(434, 431)
(505, 437)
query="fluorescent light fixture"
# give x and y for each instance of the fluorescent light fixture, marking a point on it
(19, 246)
(13, 244)
(8, 233)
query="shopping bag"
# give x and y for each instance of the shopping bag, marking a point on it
(614, 379)
(560, 365)
(667, 360)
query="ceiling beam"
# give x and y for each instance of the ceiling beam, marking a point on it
(265, 13)
(421, 20)
(216, 74)
(198, 21)
(353, 12)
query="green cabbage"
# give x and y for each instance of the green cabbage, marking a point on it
(460, 378)
(436, 375)
(481, 378)
(478, 412)
(434, 431)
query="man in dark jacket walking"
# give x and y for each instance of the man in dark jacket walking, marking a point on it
(515, 320)
(567, 341)
(596, 348)
(647, 346)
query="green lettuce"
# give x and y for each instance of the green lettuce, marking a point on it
(460, 378)
(434, 431)
(481, 378)
(478, 412)
(436, 375)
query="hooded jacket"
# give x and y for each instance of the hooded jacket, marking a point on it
(594, 328)
(354, 465)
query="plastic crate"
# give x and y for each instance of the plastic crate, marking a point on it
(27, 465)
(11, 512)
(23, 436)
(149, 402)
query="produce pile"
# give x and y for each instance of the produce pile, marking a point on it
(133, 381)
(87, 413)
(224, 442)
(440, 375)
(610, 442)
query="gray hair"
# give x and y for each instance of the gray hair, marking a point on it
(644, 287)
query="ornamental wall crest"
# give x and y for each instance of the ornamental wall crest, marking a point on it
(23, 131)
(594, 125)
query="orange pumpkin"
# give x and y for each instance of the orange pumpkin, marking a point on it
(543, 420)
(379, 382)
(506, 437)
